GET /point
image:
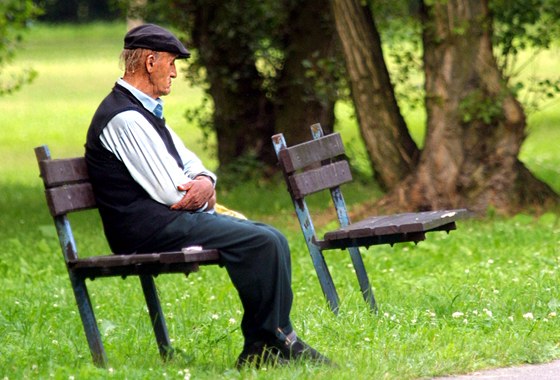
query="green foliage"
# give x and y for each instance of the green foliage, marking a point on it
(15, 16)
(478, 106)
(400, 31)
(521, 31)
(57, 11)
(523, 26)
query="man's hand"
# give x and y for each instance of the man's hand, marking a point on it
(197, 193)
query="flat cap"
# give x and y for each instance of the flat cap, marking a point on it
(156, 38)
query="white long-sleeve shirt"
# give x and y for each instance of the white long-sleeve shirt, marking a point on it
(134, 141)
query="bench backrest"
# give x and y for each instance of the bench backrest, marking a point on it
(67, 186)
(314, 165)
(67, 189)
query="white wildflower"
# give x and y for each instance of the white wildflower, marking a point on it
(490, 261)
(510, 318)
(187, 374)
(457, 314)
(552, 314)
(528, 316)
(215, 316)
(232, 321)
(488, 312)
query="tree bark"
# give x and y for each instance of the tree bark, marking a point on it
(310, 37)
(250, 107)
(475, 126)
(242, 118)
(392, 151)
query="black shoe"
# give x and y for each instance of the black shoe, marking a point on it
(259, 354)
(291, 348)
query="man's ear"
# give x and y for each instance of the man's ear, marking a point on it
(150, 61)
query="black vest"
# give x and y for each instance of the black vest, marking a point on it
(130, 216)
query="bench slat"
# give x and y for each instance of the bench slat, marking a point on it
(367, 241)
(404, 223)
(299, 156)
(64, 199)
(325, 177)
(208, 255)
(63, 171)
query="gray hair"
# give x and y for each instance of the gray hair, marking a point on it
(133, 59)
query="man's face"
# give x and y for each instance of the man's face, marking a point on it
(161, 67)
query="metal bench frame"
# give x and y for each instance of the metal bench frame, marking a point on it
(67, 190)
(320, 164)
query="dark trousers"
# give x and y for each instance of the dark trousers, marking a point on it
(257, 258)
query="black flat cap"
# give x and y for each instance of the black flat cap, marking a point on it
(154, 37)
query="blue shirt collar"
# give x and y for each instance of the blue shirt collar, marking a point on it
(148, 102)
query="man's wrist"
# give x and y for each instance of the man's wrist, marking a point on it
(204, 177)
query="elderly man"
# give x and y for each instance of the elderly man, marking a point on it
(156, 195)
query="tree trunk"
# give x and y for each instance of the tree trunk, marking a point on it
(136, 9)
(299, 103)
(475, 125)
(243, 118)
(250, 107)
(392, 151)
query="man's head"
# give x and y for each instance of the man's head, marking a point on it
(149, 58)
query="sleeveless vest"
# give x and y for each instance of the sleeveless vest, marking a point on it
(130, 216)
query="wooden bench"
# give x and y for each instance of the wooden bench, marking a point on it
(320, 164)
(67, 189)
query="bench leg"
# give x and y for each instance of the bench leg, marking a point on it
(156, 316)
(88, 320)
(363, 279)
(325, 279)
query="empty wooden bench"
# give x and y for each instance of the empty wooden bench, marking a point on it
(67, 189)
(320, 164)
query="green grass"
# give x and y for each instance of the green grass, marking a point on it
(483, 296)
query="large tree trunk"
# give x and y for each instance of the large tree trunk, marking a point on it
(310, 38)
(392, 151)
(249, 107)
(475, 125)
(242, 118)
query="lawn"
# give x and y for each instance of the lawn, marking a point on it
(483, 296)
